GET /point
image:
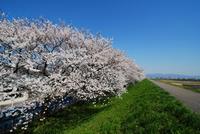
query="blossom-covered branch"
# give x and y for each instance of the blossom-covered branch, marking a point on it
(48, 60)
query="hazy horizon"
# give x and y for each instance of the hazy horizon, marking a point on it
(161, 36)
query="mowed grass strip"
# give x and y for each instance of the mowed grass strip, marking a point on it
(144, 109)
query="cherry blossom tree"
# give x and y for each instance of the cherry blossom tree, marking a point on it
(48, 60)
(40, 60)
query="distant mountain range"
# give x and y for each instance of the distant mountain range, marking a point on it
(172, 76)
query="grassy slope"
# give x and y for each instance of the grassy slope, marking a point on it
(144, 109)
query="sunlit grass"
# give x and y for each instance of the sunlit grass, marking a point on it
(144, 109)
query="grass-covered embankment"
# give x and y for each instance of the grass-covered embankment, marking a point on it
(144, 109)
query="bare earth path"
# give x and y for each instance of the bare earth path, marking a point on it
(189, 98)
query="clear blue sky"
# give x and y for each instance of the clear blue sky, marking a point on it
(163, 36)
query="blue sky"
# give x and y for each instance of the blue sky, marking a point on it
(163, 36)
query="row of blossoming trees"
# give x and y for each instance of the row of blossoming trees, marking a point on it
(39, 60)
(48, 60)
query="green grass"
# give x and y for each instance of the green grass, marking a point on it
(192, 85)
(144, 109)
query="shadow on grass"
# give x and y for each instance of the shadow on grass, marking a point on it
(68, 118)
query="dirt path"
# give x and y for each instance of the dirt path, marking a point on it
(189, 98)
